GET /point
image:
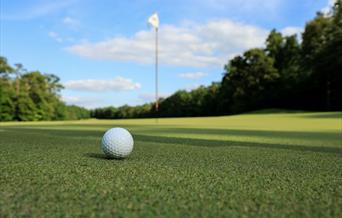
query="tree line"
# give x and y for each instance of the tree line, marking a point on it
(32, 96)
(288, 73)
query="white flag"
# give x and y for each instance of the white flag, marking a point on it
(154, 20)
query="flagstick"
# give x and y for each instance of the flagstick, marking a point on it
(157, 103)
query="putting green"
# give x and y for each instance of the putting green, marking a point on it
(253, 165)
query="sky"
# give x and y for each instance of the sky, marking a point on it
(103, 50)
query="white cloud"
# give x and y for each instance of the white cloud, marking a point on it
(150, 97)
(190, 44)
(117, 84)
(291, 30)
(87, 102)
(327, 8)
(195, 75)
(41, 9)
(71, 22)
(55, 36)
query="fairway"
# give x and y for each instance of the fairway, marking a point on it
(252, 165)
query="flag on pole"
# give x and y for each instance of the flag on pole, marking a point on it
(153, 20)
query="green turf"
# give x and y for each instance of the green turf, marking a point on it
(254, 165)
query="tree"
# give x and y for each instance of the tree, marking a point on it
(197, 101)
(7, 95)
(25, 108)
(176, 105)
(6, 91)
(328, 61)
(5, 68)
(33, 96)
(73, 112)
(314, 39)
(285, 51)
(322, 51)
(274, 48)
(250, 79)
(36, 85)
(210, 102)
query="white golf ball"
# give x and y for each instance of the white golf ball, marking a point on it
(117, 143)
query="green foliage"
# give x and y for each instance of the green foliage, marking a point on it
(73, 112)
(322, 52)
(7, 95)
(314, 38)
(36, 85)
(274, 48)
(33, 96)
(25, 108)
(249, 80)
(5, 68)
(309, 72)
(198, 102)
(177, 104)
(327, 63)
(125, 111)
(272, 165)
(286, 53)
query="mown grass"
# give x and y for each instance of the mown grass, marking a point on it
(255, 165)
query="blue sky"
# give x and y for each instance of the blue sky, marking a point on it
(103, 50)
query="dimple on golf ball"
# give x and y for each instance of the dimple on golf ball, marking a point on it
(117, 143)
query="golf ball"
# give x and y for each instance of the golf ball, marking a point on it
(117, 143)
